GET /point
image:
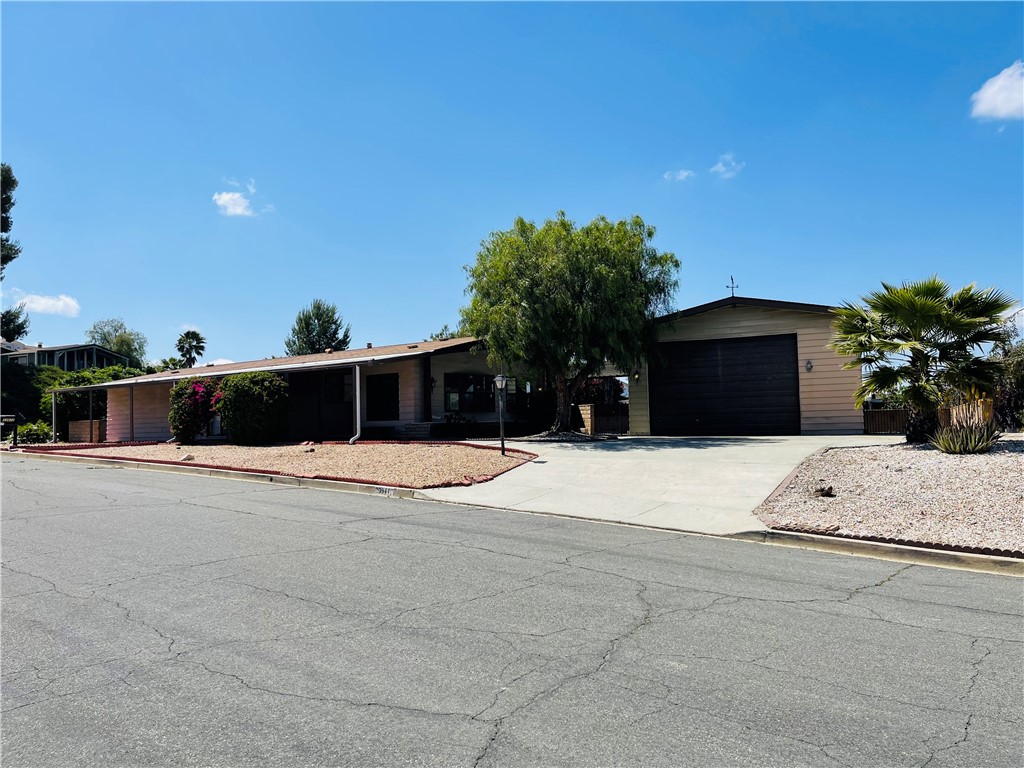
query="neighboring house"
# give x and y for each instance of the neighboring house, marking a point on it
(400, 391)
(67, 357)
(742, 366)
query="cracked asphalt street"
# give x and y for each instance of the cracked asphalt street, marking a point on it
(160, 619)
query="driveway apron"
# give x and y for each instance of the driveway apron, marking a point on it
(705, 485)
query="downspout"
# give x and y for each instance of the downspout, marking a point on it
(359, 409)
(53, 421)
(131, 413)
(90, 417)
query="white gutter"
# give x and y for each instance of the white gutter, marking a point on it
(359, 411)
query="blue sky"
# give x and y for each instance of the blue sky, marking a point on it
(218, 166)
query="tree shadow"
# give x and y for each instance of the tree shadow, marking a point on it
(631, 444)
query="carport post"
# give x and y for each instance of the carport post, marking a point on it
(358, 406)
(131, 413)
(53, 417)
(90, 408)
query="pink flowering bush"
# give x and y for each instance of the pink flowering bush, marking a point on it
(192, 404)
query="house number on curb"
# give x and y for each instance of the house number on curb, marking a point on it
(382, 491)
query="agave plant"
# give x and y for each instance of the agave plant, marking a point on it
(919, 341)
(973, 437)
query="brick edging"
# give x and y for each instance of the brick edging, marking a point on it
(467, 479)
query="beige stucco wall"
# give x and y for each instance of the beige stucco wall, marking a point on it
(410, 390)
(457, 362)
(826, 392)
(152, 404)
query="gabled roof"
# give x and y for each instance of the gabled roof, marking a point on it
(320, 361)
(742, 301)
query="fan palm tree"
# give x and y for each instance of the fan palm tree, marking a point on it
(919, 341)
(190, 346)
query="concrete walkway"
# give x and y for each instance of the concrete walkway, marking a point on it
(701, 485)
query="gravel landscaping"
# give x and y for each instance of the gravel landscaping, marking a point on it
(909, 492)
(408, 465)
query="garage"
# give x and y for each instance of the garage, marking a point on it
(745, 366)
(726, 387)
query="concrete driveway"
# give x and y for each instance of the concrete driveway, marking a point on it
(701, 485)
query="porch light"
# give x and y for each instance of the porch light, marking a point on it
(809, 366)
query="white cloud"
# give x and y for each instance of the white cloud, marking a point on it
(1002, 96)
(188, 327)
(233, 204)
(49, 305)
(219, 361)
(240, 203)
(727, 166)
(681, 175)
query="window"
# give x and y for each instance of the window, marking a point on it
(337, 387)
(468, 393)
(382, 397)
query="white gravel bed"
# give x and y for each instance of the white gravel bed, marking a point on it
(410, 465)
(909, 492)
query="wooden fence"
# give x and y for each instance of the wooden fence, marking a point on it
(885, 422)
(605, 418)
(894, 422)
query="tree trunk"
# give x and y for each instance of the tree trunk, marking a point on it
(921, 425)
(563, 406)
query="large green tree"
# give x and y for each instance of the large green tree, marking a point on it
(114, 334)
(1009, 390)
(316, 328)
(560, 300)
(14, 323)
(190, 345)
(9, 248)
(921, 342)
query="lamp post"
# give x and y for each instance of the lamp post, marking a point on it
(499, 383)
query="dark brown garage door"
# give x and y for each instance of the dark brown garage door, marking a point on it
(743, 386)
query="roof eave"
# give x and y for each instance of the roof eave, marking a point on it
(743, 301)
(308, 366)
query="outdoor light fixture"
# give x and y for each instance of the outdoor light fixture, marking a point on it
(500, 382)
(808, 366)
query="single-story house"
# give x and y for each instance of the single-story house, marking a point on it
(399, 390)
(67, 357)
(742, 366)
(737, 366)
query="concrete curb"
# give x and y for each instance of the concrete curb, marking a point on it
(1004, 566)
(234, 474)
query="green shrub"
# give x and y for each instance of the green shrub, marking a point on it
(192, 402)
(39, 432)
(254, 407)
(966, 438)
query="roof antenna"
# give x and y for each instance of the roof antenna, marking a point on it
(732, 285)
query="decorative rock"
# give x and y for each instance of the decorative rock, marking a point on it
(188, 457)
